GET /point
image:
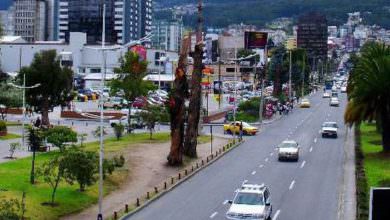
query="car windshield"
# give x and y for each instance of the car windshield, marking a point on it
(330, 124)
(249, 199)
(288, 145)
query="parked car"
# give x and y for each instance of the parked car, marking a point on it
(115, 102)
(288, 150)
(251, 201)
(343, 89)
(234, 127)
(329, 129)
(136, 122)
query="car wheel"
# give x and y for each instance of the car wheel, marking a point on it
(323, 135)
(244, 132)
(335, 136)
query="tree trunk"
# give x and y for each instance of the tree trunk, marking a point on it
(150, 133)
(177, 108)
(277, 85)
(129, 119)
(45, 114)
(32, 177)
(53, 194)
(385, 122)
(195, 105)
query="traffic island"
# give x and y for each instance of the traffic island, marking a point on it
(172, 182)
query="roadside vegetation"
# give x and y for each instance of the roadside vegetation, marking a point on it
(372, 166)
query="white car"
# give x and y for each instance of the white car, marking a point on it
(343, 89)
(251, 201)
(288, 150)
(334, 101)
(329, 128)
(326, 95)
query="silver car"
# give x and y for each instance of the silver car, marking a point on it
(288, 150)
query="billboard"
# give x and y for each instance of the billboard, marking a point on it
(255, 40)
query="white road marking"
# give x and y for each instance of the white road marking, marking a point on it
(253, 172)
(266, 159)
(311, 149)
(303, 164)
(315, 140)
(213, 215)
(291, 185)
(277, 213)
(261, 166)
(245, 181)
(225, 202)
(271, 154)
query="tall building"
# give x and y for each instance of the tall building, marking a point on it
(167, 35)
(125, 20)
(30, 19)
(312, 35)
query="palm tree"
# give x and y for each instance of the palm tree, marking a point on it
(369, 89)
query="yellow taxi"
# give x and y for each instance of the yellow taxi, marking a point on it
(305, 103)
(234, 127)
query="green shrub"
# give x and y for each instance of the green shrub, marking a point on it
(119, 161)
(3, 126)
(242, 116)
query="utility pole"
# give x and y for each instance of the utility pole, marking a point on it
(289, 76)
(303, 74)
(101, 150)
(262, 86)
(235, 90)
(219, 79)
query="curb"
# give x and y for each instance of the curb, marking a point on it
(184, 178)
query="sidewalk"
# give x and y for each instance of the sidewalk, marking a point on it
(347, 198)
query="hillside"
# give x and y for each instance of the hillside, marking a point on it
(220, 13)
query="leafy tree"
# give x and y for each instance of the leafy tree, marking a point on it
(118, 130)
(151, 116)
(11, 98)
(60, 135)
(96, 132)
(82, 138)
(368, 89)
(277, 70)
(34, 139)
(131, 81)
(52, 173)
(10, 209)
(81, 167)
(55, 83)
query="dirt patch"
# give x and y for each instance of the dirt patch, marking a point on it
(148, 168)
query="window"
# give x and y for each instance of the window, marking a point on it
(95, 70)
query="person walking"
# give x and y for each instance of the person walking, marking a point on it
(241, 130)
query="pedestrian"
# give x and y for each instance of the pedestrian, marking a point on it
(241, 130)
(37, 123)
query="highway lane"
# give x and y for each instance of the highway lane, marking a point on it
(304, 190)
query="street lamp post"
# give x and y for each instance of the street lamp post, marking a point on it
(24, 87)
(235, 91)
(103, 48)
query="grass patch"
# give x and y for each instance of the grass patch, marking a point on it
(372, 166)
(242, 116)
(9, 136)
(68, 197)
(13, 123)
(376, 163)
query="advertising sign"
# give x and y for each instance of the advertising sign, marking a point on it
(255, 40)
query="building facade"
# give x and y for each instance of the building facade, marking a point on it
(167, 35)
(125, 20)
(29, 19)
(312, 35)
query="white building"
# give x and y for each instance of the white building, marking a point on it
(84, 59)
(167, 35)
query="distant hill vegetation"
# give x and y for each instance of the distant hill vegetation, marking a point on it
(220, 13)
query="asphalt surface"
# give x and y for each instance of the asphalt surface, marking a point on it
(303, 190)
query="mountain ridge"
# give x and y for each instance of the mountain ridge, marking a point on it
(220, 13)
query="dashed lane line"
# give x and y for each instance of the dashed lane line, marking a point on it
(311, 149)
(266, 159)
(261, 166)
(213, 215)
(303, 164)
(277, 213)
(291, 185)
(254, 172)
(315, 140)
(225, 202)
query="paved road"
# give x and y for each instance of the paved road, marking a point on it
(308, 189)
